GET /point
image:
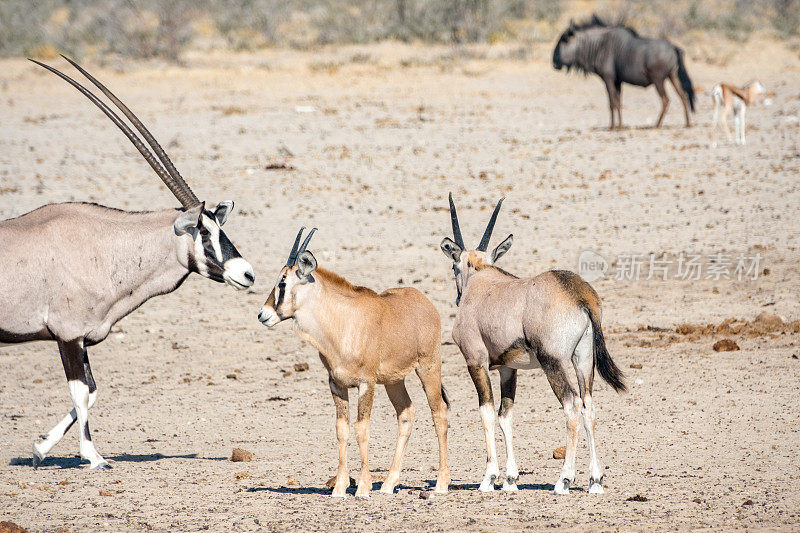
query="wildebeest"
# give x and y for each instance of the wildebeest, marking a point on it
(618, 54)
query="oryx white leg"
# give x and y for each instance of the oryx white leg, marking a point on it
(42, 449)
(595, 470)
(583, 361)
(480, 377)
(508, 387)
(80, 399)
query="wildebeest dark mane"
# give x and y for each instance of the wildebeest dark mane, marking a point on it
(597, 22)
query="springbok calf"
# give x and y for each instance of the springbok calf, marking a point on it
(729, 97)
(364, 338)
(551, 321)
(79, 268)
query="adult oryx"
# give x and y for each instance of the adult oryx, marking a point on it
(73, 270)
(364, 338)
(550, 321)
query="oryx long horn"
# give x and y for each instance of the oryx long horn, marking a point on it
(305, 242)
(487, 235)
(454, 221)
(181, 192)
(188, 196)
(293, 254)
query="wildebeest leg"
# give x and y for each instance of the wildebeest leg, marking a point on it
(662, 93)
(405, 419)
(431, 379)
(673, 78)
(83, 391)
(618, 87)
(342, 434)
(508, 389)
(612, 98)
(583, 361)
(366, 393)
(556, 371)
(480, 377)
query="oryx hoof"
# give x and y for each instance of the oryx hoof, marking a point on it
(562, 486)
(362, 496)
(487, 485)
(341, 495)
(102, 465)
(510, 484)
(37, 458)
(596, 486)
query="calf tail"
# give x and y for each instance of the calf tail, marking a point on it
(608, 370)
(445, 397)
(683, 76)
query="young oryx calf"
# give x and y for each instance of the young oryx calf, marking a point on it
(737, 99)
(364, 338)
(550, 321)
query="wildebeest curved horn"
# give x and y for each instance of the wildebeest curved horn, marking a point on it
(293, 254)
(456, 227)
(487, 235)
(187, 197)
(305, 242)
(180, 194)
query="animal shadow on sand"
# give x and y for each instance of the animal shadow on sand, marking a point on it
(75, 461)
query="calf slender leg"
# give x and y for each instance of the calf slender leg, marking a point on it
(662, 93)
(405, 419)
(342, 404)
(725, 112)
(741, 125)
(366, 393)
(673, 78)
(583, 361)
(508, 389)
(556, 371)
(431, 379)
(714, 124)
(480, 377)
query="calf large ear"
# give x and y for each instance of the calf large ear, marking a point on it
(188, 221)
(222, 211)
(451, 249)
(502, 248)
(306, 264)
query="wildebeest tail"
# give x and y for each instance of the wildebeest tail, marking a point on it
(445, 398)
(608, 370)
(683, 76)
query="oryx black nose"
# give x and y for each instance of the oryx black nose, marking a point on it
(249, 276)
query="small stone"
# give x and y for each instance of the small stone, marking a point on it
(241, 456)
(242, 475)
(104, 493)
(232, 376)
(300, 367)
(637, 498)
(424, 494)
(725, 345)
(332, 483)
(636, 366)
(291, 482)
(560, 452)
(748, 502)
(765, 272)
(770, 320)
(11, 527)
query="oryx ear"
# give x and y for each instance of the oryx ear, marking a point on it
(502, 248)
(306, 264)
(222, 211)
(188, 221)
(451, 249)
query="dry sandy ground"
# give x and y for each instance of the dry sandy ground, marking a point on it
(709, 439)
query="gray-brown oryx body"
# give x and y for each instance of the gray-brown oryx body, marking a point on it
(551, 321)
(365, 338)
(69, 272)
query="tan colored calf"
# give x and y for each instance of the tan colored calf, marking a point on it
(365, 338)
(732, 98)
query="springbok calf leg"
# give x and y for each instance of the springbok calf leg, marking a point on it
(740, 122)
(583, 361)
(480, 377)
(431, 379)
(340, 399)
(662, 93)
(404, 408)
(673, 78)
(366, 393)
(725, 112)
(508, 389)
(556, 371)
